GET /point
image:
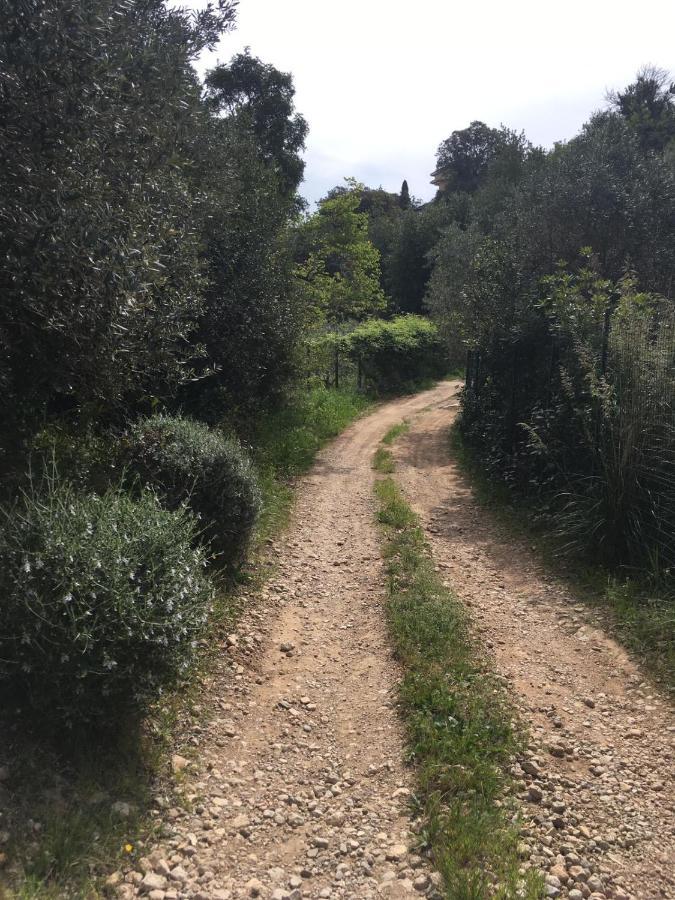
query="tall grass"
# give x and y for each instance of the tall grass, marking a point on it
(641, 608)
(287, 440)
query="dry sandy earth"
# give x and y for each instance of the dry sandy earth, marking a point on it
(297, 787)
(598, 788)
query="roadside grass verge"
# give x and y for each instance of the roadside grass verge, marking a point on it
(640, 611)
(383, 461)
(395, 432)
(65, 829)
(461, 732)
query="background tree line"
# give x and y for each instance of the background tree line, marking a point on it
(554, 269)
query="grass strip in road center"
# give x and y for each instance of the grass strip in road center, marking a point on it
(461, 734)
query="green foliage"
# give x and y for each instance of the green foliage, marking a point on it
(103, 598)
(641, 609)
(466, 158)
(339, 268)
(383, 461)
(404, 200)
(398, 352)
(189, 464)
(101, 276)
(289, 438)
(247, 164)
(260, 98)
(460, 735)
(571, 385)
(648, 105)
(408, 266)
(395, 432)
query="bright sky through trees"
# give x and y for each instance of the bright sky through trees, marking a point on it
(382, 82)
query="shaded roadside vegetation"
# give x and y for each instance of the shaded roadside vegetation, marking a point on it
(76, 800)
(461, 736)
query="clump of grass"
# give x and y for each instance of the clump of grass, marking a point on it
(461, 735)
(288, 439)
(396, 431)
(383, 461)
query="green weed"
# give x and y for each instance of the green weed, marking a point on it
(288, 440)
(395, 432)
(461, 736)
(383, 461)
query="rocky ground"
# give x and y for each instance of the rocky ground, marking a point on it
(597, 783)
(295, 786)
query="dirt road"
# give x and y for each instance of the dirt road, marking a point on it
(297, 786)
(598, 791)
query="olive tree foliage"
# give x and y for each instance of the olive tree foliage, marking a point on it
(603, 190)
(99, 232)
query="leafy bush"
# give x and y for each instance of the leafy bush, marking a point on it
(102, 599)
(398, 352)
(574, 410)
(189, 463)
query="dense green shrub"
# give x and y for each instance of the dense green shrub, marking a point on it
(102, 599)
(575, 411)
(398, 352)
(189, 463)
(102, 262)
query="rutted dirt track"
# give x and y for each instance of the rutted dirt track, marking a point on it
(298, 786)
(598, 789)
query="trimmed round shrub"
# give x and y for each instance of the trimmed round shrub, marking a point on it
(102, 599)
(190, 464)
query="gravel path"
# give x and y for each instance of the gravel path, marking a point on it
(297, 788)
(598, 792)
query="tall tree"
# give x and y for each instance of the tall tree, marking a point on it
(648, 105)
(261, 98)
(247, 167)
(339, 269)
(466, 156)
(404, 198)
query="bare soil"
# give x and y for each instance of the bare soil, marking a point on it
(598, 792)
(296, 787)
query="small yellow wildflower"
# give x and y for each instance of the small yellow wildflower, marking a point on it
(128, 848)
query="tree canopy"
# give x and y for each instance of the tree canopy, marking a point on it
(340, 267)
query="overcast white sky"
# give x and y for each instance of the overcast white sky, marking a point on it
(383, 82)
